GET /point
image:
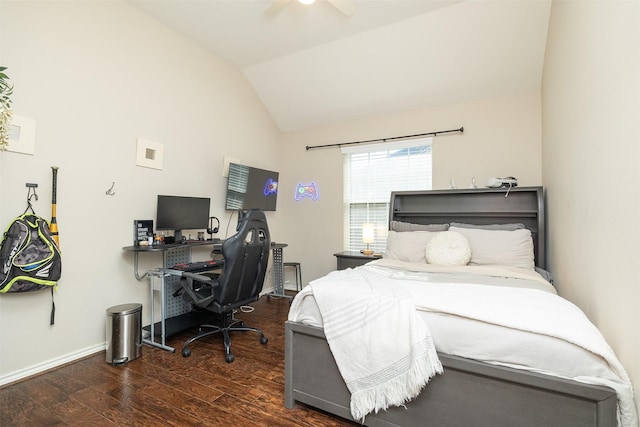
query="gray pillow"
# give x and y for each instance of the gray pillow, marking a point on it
(507, 227)
(407, 226)
(546, 274)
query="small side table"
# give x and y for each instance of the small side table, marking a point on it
(351, 259)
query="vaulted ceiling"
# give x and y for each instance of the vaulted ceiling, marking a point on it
(313, 65)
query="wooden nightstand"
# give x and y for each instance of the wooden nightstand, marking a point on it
(350, 259)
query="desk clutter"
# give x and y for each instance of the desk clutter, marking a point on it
(143, 235)
(142, 232)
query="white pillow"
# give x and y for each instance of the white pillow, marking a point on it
(499, 247)
(448, 248)
(408, 245)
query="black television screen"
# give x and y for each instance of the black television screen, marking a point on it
(182, 213)
(251, 188)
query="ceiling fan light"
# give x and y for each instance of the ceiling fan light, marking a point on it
(306, 1)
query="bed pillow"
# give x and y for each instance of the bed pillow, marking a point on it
(408, 246)
(499, 247)
(510, 227)
(407, 226)
(448, 248)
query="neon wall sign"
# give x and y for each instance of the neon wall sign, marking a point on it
(306, 190)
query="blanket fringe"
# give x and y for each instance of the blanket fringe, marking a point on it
(399, 390)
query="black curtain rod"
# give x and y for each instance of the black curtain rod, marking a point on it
(340, 144)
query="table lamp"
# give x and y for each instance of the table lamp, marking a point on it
(368, 237)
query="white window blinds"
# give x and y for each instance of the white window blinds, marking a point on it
(371, 173)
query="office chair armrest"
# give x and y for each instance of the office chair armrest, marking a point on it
(199, 278)
(200, 295)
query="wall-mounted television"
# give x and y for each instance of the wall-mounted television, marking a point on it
(179, 213)
(251, 188)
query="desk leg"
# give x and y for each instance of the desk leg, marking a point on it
(171, 308)
(163, 304)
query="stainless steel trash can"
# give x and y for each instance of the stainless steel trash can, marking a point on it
(124, 333)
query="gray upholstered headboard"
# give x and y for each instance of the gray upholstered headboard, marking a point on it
(479, 206)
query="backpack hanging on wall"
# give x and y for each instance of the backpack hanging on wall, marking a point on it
(29, 256)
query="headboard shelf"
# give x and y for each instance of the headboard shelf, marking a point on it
(526, 214)
(479, 206)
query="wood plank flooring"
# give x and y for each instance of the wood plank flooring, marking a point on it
(165, 389)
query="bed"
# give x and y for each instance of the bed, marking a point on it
(469, 391)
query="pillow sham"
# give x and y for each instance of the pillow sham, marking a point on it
(408, 246)
(499, 247)
(407, 226)
(509, 227)
(448, 248)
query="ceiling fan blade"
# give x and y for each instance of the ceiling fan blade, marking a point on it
(276, 6)
(347, 7)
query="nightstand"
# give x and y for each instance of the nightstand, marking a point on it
(350, 259)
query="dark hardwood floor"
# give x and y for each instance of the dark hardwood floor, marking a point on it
(163, 388)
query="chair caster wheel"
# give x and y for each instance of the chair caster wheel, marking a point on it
(264, 340)
(186, 352)
(229, 358)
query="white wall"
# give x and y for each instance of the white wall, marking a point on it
(96, 76)
(591, 153)
(501, 138)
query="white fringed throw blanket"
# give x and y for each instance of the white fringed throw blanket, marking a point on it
(383, 350)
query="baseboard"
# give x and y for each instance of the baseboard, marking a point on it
(50, 364)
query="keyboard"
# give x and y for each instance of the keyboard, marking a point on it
(199, 265)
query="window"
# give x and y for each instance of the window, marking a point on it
(371, 173)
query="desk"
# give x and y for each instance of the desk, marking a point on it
(175, 313)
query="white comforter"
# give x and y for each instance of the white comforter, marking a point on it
(514, 319)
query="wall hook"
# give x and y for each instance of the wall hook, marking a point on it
(110, 191)
(31, 193)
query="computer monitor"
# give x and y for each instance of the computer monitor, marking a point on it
(179, 213)
(251, 188)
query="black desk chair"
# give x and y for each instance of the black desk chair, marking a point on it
(246, 255)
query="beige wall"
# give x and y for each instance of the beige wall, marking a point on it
(93, 90)
(591, 153)
(501, 138)
(95, 76)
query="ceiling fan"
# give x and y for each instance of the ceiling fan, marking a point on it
(345, 6)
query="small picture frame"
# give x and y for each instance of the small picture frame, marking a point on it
(149, 154)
